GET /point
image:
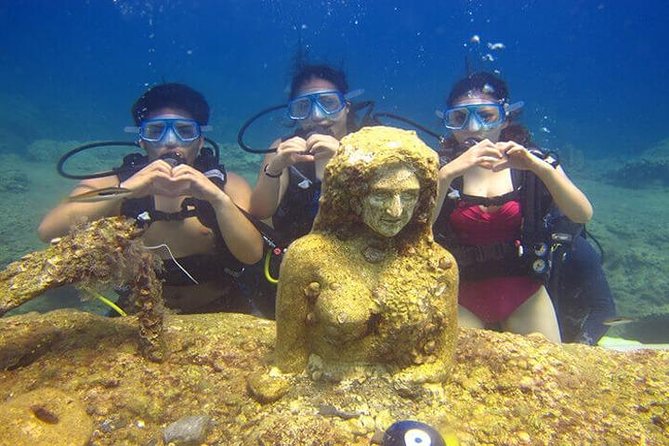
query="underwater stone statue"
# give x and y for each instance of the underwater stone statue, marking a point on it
(106, 251)
(368, 288)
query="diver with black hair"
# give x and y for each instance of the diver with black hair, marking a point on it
(515, 223)
(192, 208)
(289, 180)
(496, 190)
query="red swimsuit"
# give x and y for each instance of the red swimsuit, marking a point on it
(493, 299)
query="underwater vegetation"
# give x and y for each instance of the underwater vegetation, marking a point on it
(106, 251)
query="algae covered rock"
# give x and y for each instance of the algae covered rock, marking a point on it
(650, 169)
(44, 417)
(106, 251)
(504, 389)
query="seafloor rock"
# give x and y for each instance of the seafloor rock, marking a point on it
(45, 416)
(505, 389)
(12, 179)
(641, 173)
(651, 169)
(101, 252)
(189, 430)
(50, 150)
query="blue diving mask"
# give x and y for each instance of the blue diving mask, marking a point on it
(488, 115)
(326, 103)
(159, 130)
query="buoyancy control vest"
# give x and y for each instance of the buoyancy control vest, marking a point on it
(203, 267)
(299, 206)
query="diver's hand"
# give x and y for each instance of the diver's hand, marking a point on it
(190, 181)
(289, 152)
(153, 179)
(484, 154)
(516, 156)
(322, 147)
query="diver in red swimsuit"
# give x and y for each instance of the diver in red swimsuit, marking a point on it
(487, 218)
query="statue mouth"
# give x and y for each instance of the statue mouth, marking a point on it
(390, 221)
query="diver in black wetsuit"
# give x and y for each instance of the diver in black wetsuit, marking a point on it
(289, 180)
(190, 204)
(580, 292)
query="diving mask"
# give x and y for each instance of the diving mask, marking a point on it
(488, 115)
(159, 129)
(327, 103)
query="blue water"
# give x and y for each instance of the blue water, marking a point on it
(593, 74)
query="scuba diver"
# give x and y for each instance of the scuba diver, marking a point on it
(192, 208)
(514, 222)
(571, 269)
(289, 179)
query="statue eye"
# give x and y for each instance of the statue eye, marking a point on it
(407, 196)
(417, 437)
(380, 195)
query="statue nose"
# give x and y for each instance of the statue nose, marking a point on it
(395, 208)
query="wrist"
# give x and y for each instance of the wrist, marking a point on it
(220, 200)
(269, 173)
(447, 175)
(542, 168)
(131, 194)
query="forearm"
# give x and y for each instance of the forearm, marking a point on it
(569, 198)
(292, 351)
(446, 177)
(60, 220)
(266, 196)
(240, 235)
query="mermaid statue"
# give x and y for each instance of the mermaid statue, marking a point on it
(368, 288)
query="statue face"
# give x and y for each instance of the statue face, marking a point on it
(391, 201)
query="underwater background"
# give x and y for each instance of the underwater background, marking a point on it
(593, 76)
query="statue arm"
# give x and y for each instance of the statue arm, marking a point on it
(438, 369)
(292, 346)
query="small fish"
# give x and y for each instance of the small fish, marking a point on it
(496, 46)
(328, 410)
(103, 194)
(620, 320)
